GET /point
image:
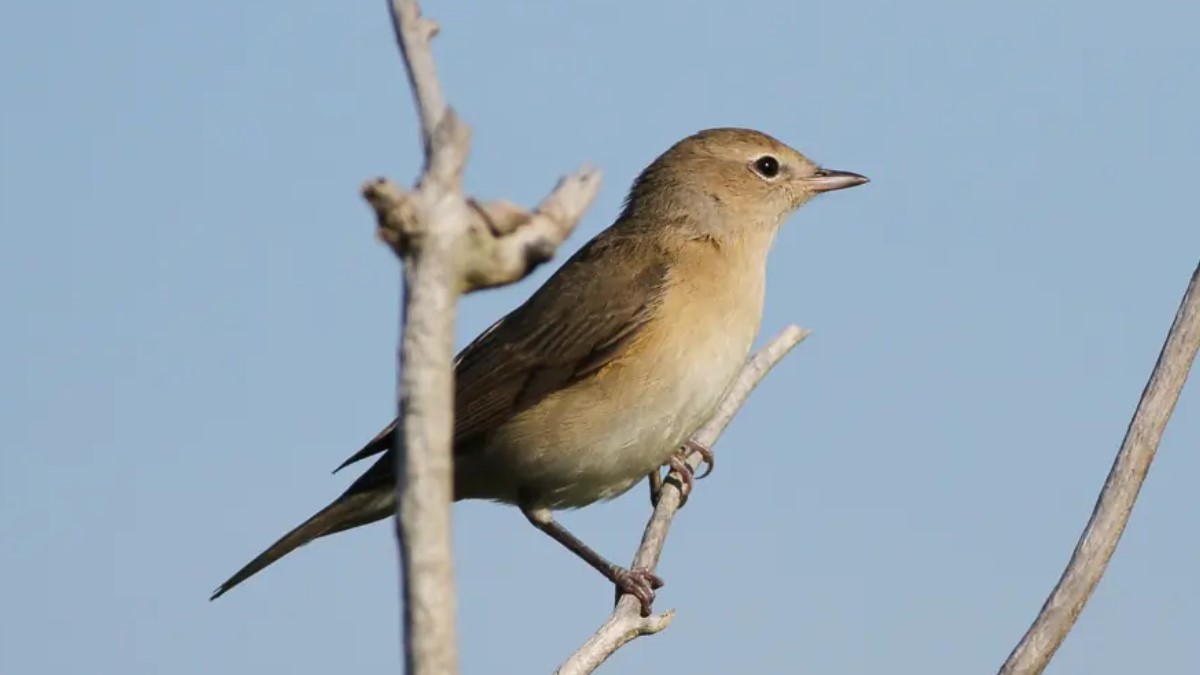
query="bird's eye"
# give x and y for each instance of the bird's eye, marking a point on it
(767, 166)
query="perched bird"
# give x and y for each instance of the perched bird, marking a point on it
(601, 377)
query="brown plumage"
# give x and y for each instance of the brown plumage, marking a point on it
(598, 378)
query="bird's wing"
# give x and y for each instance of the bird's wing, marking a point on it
(381, 442)
(551, 341)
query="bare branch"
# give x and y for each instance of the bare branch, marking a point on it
(502, 253)
(413, 35)
(448, 245)
(492, 255)
(1111, 513)
(626, 622)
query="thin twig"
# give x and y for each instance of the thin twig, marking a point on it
(413, 35)
(626, 623)
(1111, 513)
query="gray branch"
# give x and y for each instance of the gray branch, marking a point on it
(449, 245)
(1111, 513)
(626, 623)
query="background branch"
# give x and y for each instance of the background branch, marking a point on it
(448, 245)
(1111, 513)
(626, 622)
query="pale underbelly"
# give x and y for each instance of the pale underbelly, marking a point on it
(575, 450)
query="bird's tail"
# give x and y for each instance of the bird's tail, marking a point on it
(347, 511)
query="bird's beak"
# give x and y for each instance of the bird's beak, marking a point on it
(827, 180)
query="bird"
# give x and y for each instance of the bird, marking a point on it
(602, 375)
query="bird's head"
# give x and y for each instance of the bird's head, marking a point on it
(724, 181)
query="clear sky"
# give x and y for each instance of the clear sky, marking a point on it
(198, 326)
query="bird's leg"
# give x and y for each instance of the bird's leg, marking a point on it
(656, 483)
(678, 464)
(638, 582)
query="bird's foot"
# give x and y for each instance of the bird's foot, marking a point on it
(640, 583)
(687, 478)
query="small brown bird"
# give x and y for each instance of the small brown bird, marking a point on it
(600, 377)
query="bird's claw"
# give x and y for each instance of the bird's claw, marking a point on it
(706, 455)
(687, 477)
(640, 583)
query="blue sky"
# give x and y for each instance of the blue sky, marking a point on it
(199, 326)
